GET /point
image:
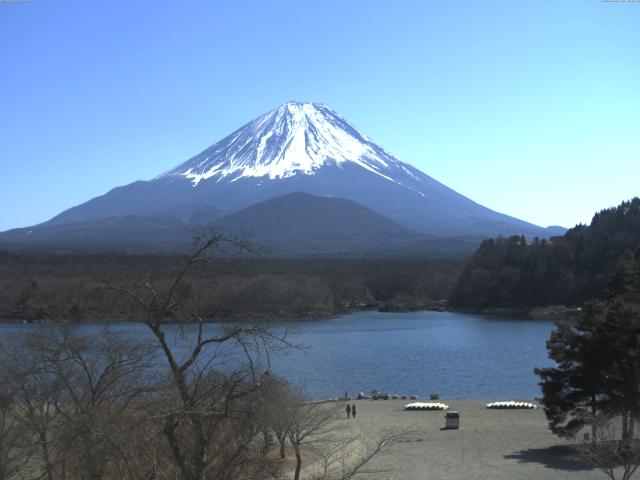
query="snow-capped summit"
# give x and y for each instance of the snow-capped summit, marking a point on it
(295, 138)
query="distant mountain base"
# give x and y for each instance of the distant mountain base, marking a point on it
(293, 225)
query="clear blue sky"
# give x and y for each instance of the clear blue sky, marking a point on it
(530, 108)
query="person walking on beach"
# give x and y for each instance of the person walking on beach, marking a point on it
(348, 411)
(353, 411)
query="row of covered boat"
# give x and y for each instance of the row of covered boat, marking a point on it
(511, 404)
(426, 406)
(494, 405)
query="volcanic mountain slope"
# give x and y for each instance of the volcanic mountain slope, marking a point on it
(301, 224)
(128, 233)
(298, 147)
(302, 216)
(293, 225)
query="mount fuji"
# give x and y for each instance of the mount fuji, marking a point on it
(297, 147)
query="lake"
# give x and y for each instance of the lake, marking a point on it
(459, 356)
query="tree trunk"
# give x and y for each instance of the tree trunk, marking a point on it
(169, 432)
(44, 444)
(296, 476)
(282, 451)
(282, 439)
(199, 457)
(594, 420)
(625, 426)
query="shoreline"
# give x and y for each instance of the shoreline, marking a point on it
(500, 444)
(514, 313)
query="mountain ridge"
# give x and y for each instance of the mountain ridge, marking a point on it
(299, 147)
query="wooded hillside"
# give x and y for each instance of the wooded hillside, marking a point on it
(566, 270)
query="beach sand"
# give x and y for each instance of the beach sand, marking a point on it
(490, 444)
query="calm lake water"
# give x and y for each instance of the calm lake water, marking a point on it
(459, 356)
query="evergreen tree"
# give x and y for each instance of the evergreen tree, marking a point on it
(625, 279)
(619, 350)
(573, 391)
(597, 369)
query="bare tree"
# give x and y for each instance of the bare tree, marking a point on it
(142, 453)
(204, 413)
(73, 394)
(349, 457)
(614, 452)
(309, 425)
(101, 376)
(14, 446)
(36, 394)
(316, 429)
(280, 405)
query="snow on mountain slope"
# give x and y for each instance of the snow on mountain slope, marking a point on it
(300, 147)
(295, 138)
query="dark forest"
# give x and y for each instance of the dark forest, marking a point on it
(579, 266)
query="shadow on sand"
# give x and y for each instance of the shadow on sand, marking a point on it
(559, 457)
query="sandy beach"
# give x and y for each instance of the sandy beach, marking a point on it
(490, 444)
